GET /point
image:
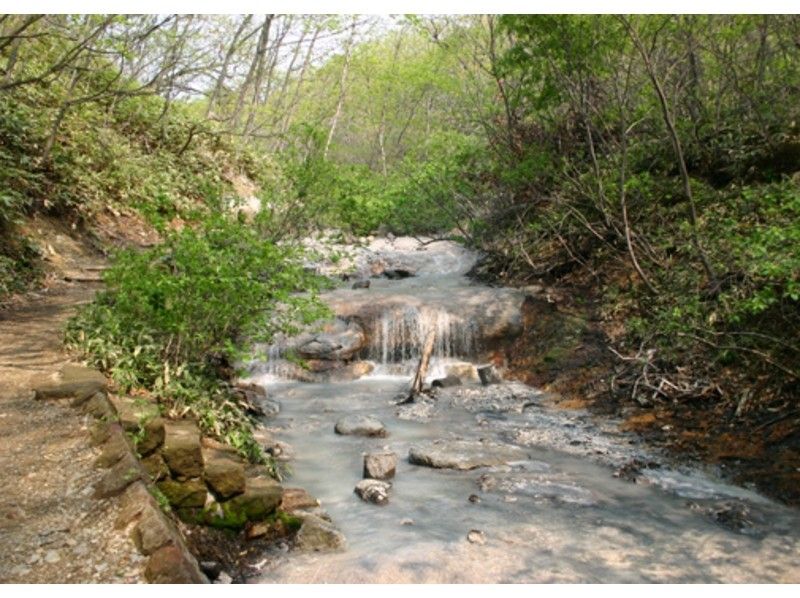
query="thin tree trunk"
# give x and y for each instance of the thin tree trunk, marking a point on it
(342, 90)
(298, 87)
(259, 74)
(223, 73)
(676, 145)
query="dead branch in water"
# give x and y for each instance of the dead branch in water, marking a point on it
(422, 368)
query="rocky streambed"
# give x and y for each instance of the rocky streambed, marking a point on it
(483, 483)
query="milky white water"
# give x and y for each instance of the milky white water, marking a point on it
(556, 515)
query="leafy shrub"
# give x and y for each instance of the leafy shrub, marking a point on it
(170, 316)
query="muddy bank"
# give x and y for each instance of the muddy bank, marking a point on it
(566, 349)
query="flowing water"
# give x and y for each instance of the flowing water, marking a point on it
(556, 513)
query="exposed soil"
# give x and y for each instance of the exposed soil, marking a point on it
(565, 349)
(51, 529)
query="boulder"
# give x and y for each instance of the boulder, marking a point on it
(465, 371)
(374, 491)
(182, 451)
(338, 340)
(360, 425)
(295, 499)
(260, 498)
(173, 564)
(490, 316)
(488, 375)
(76, 381)
(351, 371)
(446, 382)
(463, 454)
(223, 473)
(380, 466)
(399, 273)
(184, 494)
(318, 535)
(251, 396)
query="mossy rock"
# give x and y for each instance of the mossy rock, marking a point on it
(258, 503)
(183, 494)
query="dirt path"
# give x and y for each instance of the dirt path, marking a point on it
(51, 529)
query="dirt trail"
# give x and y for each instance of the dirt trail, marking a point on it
(51, 529)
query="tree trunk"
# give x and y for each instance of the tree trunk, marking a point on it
(342, 90)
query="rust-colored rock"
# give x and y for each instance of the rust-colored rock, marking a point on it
(173, 564)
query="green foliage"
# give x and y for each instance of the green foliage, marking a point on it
(170, 315)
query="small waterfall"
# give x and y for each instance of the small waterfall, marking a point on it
(397, 335)
(271, 362)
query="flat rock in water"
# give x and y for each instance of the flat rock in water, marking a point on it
(360, 425)
(374, 491)
(463, 454)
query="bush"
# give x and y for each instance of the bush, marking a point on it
(171, 314)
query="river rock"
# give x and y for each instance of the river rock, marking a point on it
(318, 535)
(476, 536)
(538, 485)
(338, 340)
(380, 466)
(351, 371)
(488, 375)
(361, 284)
(463, 454)
(446, 382)
(296, 499)
(489, 315)
(223, 473)
(182, 450)
(464, 371)
(399, 273)
(260, 498)
(374, 491)
(360, 425)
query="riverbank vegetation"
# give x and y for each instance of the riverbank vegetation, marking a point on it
(647, 165)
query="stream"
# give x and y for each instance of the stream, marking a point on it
(567, 496)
